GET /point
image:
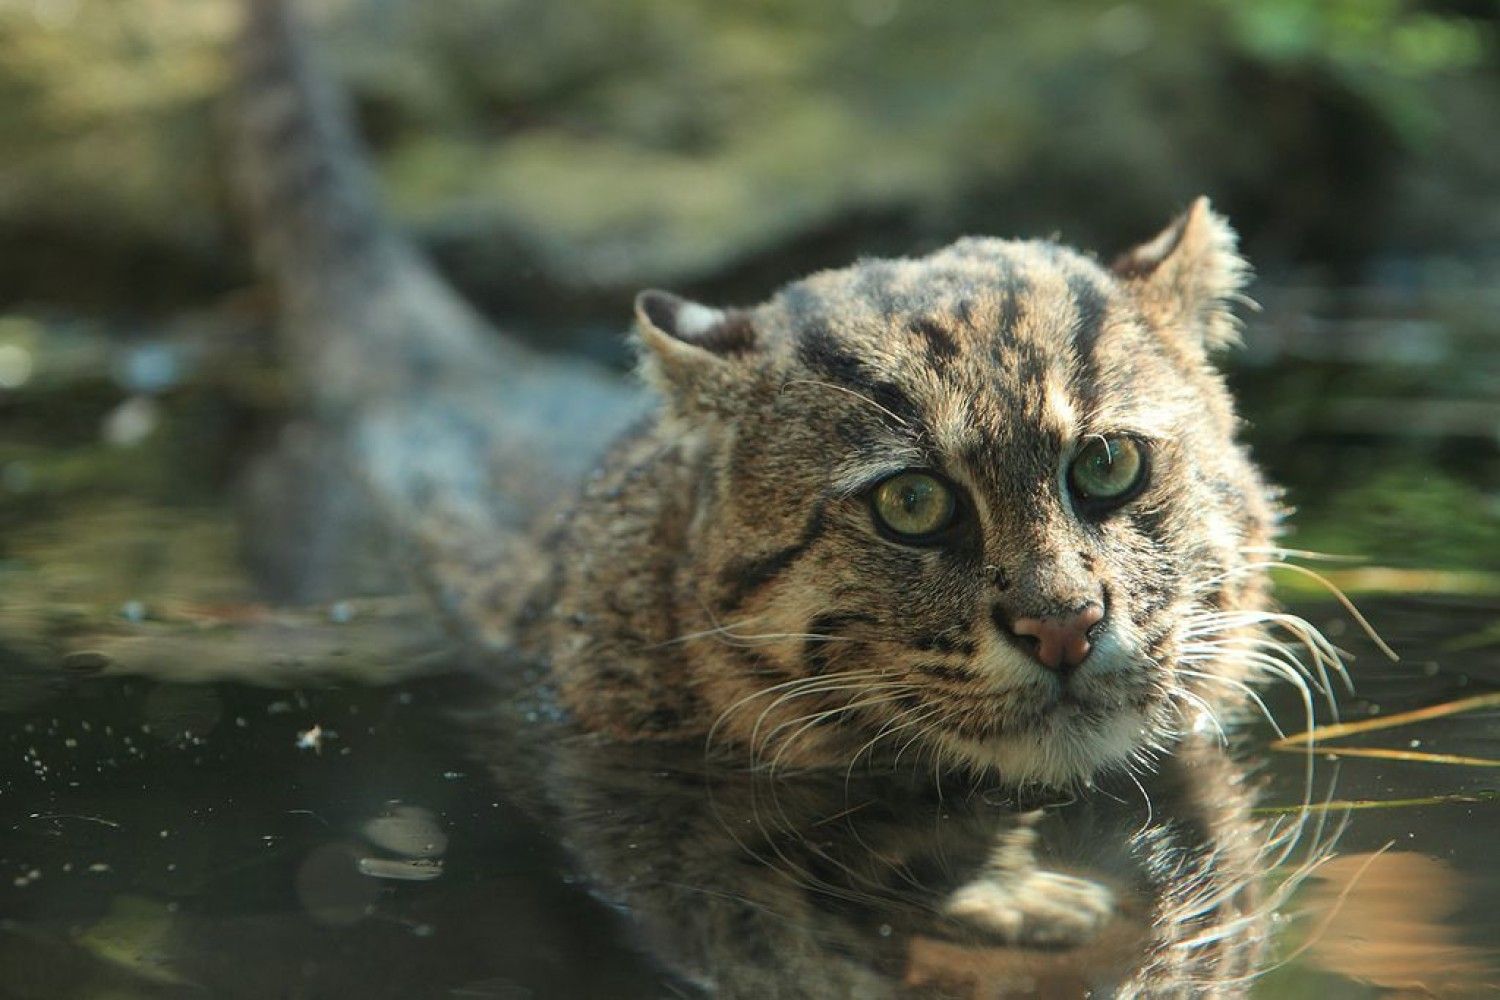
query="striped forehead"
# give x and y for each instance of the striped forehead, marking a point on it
(983, 355)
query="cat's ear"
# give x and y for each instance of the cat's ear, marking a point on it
(687, 346)
(1189, 276)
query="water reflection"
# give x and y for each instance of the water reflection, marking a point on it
(443, 838)
(895, 883)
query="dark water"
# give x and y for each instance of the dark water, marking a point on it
(204, 795)
(165, 839)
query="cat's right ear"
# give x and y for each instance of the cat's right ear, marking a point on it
(686, 346)
(1189, 276)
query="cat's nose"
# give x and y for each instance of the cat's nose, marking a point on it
(1062, 641)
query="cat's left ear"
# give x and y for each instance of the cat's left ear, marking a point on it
(1188, 276)
(686, 346)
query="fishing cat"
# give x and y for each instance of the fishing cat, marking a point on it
(988, 504)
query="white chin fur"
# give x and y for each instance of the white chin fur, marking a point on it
(1057, 755)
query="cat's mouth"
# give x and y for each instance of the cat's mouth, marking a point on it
(1066, 745)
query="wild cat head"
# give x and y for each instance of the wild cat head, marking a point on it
(970, 503)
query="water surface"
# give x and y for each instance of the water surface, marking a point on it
(206, 791)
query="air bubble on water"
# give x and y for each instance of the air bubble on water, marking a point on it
(411, 831)
(401, 870)
(341, 612)
(133, 611)
(332, 889)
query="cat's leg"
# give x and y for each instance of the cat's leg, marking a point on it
(1017, 899)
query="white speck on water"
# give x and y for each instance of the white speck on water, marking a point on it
(885, 930)
(239, 721)
(453, 775)
(133, 611)
(70, 743)
(341, 612)
(405, 698)
(1414, 744)
(311, 739)
(98, 868)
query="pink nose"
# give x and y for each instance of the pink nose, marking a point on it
(1061, 641)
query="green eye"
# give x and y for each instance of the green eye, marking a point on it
(914, 505)
(1107, 469)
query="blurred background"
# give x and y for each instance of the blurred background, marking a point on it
(556, 157)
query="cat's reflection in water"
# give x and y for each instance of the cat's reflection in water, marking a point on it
(882, 882)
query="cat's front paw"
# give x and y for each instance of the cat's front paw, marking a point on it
(1034, 907)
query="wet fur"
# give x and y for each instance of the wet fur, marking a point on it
(722, 573)
(718, 578)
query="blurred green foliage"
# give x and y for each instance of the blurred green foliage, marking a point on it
(1405, 515)
(558, 155)
(606, 143)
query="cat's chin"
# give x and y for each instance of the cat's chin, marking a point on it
(1067, 752)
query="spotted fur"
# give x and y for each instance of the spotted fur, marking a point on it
(721, 575)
